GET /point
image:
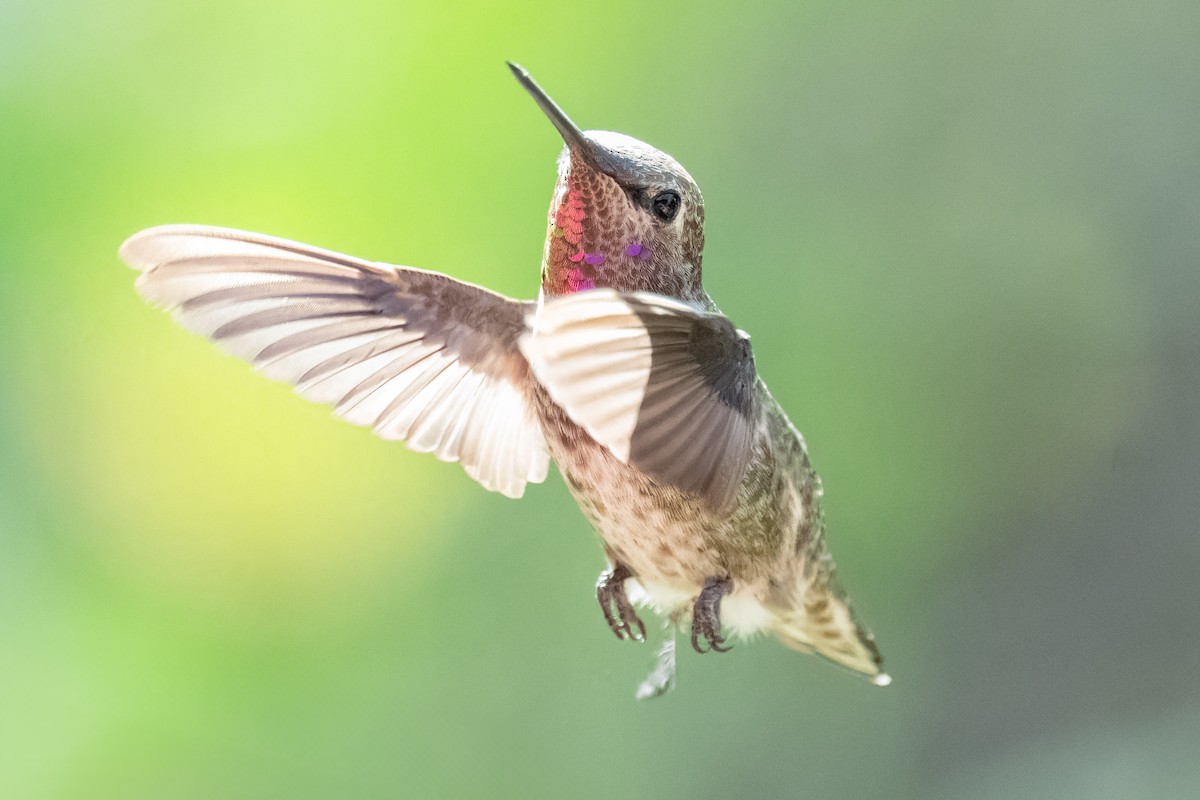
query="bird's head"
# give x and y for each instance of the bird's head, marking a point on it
(624, 215)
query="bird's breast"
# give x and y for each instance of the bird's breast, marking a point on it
(669, 539)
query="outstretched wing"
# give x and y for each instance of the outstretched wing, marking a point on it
(664, 386)
(415, 355)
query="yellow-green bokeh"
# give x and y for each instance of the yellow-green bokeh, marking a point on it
(963, 237)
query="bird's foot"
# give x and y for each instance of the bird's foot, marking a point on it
(706, 616)
(618, 611)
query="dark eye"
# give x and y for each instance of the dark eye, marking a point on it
(665, 205)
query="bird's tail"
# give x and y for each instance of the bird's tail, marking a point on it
(821, 621)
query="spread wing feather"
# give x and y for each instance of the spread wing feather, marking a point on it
(664, 386)
(415, 355)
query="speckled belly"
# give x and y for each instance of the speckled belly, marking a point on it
(662, 535)
(659, 542)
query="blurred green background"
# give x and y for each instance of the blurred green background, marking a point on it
(964, 237)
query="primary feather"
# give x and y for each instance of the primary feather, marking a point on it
(414, 355)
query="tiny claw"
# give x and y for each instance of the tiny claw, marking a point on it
(618, 611)
(706, 617)
(641, 634)
(606, 607)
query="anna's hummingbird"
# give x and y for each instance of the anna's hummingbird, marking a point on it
(624, 372)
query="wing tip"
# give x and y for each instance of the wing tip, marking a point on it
(130, 250)
(138, 250)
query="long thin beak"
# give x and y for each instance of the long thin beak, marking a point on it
(567, 129)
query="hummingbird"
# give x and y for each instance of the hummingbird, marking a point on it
(623, 372)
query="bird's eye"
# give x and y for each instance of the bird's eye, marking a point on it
(665, 205)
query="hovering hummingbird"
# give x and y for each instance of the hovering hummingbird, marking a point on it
(624, 372)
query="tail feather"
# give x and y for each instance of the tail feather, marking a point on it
(824, 623)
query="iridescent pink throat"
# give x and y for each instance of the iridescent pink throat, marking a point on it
(567, 245)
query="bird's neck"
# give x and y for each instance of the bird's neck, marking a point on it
(594, 240)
